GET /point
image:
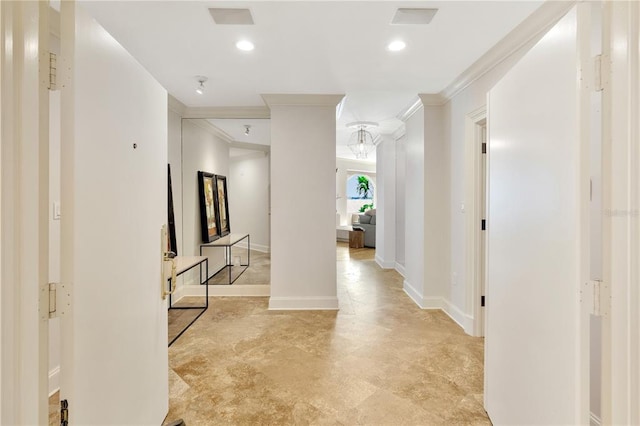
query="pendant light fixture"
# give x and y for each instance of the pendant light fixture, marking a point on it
(361, 142)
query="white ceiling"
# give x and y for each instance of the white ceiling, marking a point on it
(309, 47)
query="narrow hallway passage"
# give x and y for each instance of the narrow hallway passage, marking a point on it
(379, 360)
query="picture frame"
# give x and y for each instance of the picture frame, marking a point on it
(223, 205)
(208, 196)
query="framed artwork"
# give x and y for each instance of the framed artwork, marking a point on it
(208, 207)
(223, 205)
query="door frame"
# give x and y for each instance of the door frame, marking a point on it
(24, 211)
(474, 123)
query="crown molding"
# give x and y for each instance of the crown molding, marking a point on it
(409, 110)
(252, 146)
(399, 132)
(227, 112)
(176, 106)
(527, 32)
(208, 127)
(301, 100)
(432, 99)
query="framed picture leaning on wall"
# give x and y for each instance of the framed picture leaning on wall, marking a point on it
(223, 205)
(208, 196)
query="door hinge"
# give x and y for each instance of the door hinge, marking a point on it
(598, 297)
(484, 147)
(64, 412)
(483, 225)
(482, 301)
(53, 71)
(52, 300)
(601, 72)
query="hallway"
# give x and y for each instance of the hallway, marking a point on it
(379, 360)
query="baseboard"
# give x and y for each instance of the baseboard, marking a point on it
(303, 303)
(594, 420)
(412, 293)
(54, 380)
(400, 269)
(384, 265)
(463, 320)
(257, 247)
(252, 290)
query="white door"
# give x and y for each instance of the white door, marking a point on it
(114, 367)
(534, 353)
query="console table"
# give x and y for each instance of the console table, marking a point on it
(227, 242)
(184, 264)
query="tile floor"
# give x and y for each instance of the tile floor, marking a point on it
(378, 360)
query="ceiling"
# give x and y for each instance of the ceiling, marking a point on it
(309, 47)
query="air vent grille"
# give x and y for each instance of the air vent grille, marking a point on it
(224, 16)
(413, 16)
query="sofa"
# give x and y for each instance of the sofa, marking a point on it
(367, 222)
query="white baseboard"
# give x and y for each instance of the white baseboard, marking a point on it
(463, 320)
(594, 420)
(384, 265)
(257, 247)
(252, 290)
(54, 380)
(400, 269)
(303, 303)
(412, 293)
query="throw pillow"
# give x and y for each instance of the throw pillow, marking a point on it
(371, 212)
(365, 219)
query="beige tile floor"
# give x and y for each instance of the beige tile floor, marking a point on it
(378, 360)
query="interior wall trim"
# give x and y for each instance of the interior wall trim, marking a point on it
(302, 99)
(527, 32)
(208, 127)
(176, 106)
(227, 112)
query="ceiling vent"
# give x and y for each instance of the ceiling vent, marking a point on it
(410, 16)
(224, 16)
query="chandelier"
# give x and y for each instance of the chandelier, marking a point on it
(361, 142)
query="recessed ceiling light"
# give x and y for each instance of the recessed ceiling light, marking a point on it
(245, 45)
(396, 46)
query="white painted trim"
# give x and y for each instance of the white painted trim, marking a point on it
(463, 320)
(54, 380)
(399, 132)
(253, 146)
(384, 264)
(473, 215)
(300, 100)
(303, 304)
(413, 293)
(409, 110)
(400, 269)
(250, 290)
(227, 112)
(432, 99)
(176, 106)
(527, 32)
(208, 127)
(257, 247)
(594, 420)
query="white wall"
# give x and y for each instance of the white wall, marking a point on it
(201, 151)
(303, 257)
(414, 207)
(400, 203)
(249, 190)
(386, 202)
